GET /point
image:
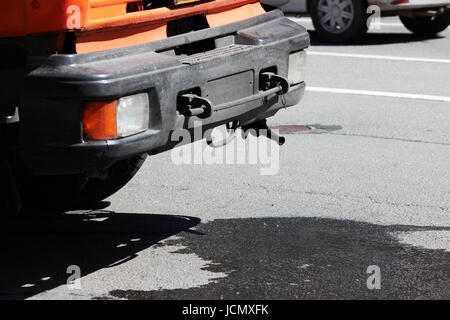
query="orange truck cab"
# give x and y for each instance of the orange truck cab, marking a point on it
(89, 88)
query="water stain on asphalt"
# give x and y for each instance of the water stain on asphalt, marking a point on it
(310, 128)
(309, 258)
(269, 258)
(291, 129)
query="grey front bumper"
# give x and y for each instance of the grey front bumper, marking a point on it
(57, 87)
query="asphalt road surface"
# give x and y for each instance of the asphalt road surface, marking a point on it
(362, 181)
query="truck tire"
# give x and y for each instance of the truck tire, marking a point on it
(339, 21)
(427, 26)
(70, 192)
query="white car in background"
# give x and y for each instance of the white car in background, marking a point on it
(345, 20)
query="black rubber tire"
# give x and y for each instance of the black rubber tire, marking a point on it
(357, 29)
(427, 26)
(70, 192)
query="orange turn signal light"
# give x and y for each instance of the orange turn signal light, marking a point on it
(100, 120)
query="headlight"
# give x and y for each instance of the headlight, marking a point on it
(133, 113)
(118, 118)
(297, 67)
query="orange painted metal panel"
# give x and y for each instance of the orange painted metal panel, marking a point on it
(109, 11)
(160, 15)
(234, 15)
(12, 18)
(23, 17)
(105, 24)
(113, 39)
(137, 33)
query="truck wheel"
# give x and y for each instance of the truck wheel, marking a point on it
(118, 175)
(427, 26)
(66, 192)
(339, 20)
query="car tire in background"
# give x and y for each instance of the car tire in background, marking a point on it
(339, 20)
(427, 26)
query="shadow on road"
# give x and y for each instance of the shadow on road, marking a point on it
(35, 253)
(375, 39)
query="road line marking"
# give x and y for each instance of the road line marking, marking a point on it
(386, 24)
(379, 94)
(392, 24)
(371, 56)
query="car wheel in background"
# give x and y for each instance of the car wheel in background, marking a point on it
(427, 25)
(339, 20)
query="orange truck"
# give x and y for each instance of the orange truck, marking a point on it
(89, 88)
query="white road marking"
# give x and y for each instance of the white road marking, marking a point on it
(383, 24)
(378, 57)
(379, 94)
(392, 24)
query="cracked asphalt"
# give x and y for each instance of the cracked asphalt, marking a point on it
(369, 184)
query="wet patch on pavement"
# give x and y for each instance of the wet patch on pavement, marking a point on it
(302, 129)
(309, 258)
(291, 129)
